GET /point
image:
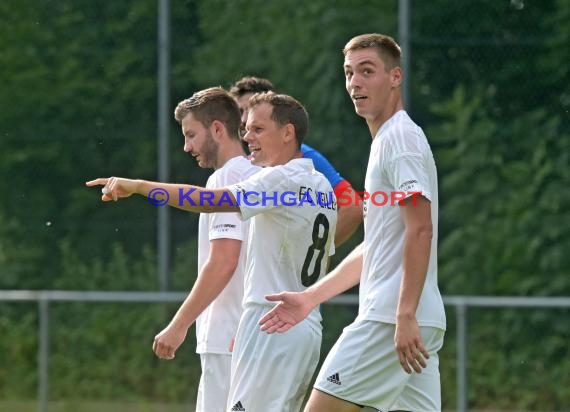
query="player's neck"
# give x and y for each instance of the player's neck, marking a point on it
(298, 154)
(286, 154)
(227, 151)
(375, 123)
(294, 153)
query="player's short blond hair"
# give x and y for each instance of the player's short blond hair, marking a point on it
(389, 51)
(211, 104)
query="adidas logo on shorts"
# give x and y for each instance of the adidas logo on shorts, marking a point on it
(334, 378)
(238, 407)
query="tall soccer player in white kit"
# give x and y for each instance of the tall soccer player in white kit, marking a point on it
(387, 358)
(293, 220)
(210, 124)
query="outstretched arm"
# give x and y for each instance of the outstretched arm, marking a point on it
(293, 307)
(212, 279)
(186, 197)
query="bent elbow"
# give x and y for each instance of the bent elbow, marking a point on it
(425, 231)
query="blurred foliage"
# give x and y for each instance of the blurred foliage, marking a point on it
(489, 83)
(503, 210)
(75, 73)
(514, 50)
(299, 49)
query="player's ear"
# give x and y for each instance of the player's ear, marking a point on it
(289, 133)
(396, 76)
(217, 129)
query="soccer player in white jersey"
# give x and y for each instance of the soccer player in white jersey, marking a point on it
(293, 220)
(387, 358)
(350, 214)
(210, 121)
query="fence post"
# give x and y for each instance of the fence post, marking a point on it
(163, 118)
(404, 8)
(462, 357)
(43, 354)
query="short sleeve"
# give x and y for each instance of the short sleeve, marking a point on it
(225, 226)
(407, 172)
(261, 192)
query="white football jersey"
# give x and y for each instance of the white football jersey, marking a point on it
(217, 325)
(293, 221)
(400, 164)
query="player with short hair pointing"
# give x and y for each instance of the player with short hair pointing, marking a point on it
(288, 249)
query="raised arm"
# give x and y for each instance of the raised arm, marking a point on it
(293, 307)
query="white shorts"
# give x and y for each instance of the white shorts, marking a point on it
(272, 373)
(363, 368)
(214, 382)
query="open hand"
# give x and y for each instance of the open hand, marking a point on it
(292, 308)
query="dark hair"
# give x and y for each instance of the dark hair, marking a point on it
(211, 104)
(251, 84)
(286, 110)
(387, 48)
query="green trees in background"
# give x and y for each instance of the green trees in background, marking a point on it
(505, 234)
(489, 84)
(299, 49)
(78, 101)
(484, 94)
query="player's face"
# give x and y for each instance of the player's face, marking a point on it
(198, 141)
(264, 136)
(243, 104)
(368, 83)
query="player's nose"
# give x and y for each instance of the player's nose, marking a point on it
(187, 146)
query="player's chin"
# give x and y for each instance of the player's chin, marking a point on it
(362, 106)
(359, 110)
(257, 160)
